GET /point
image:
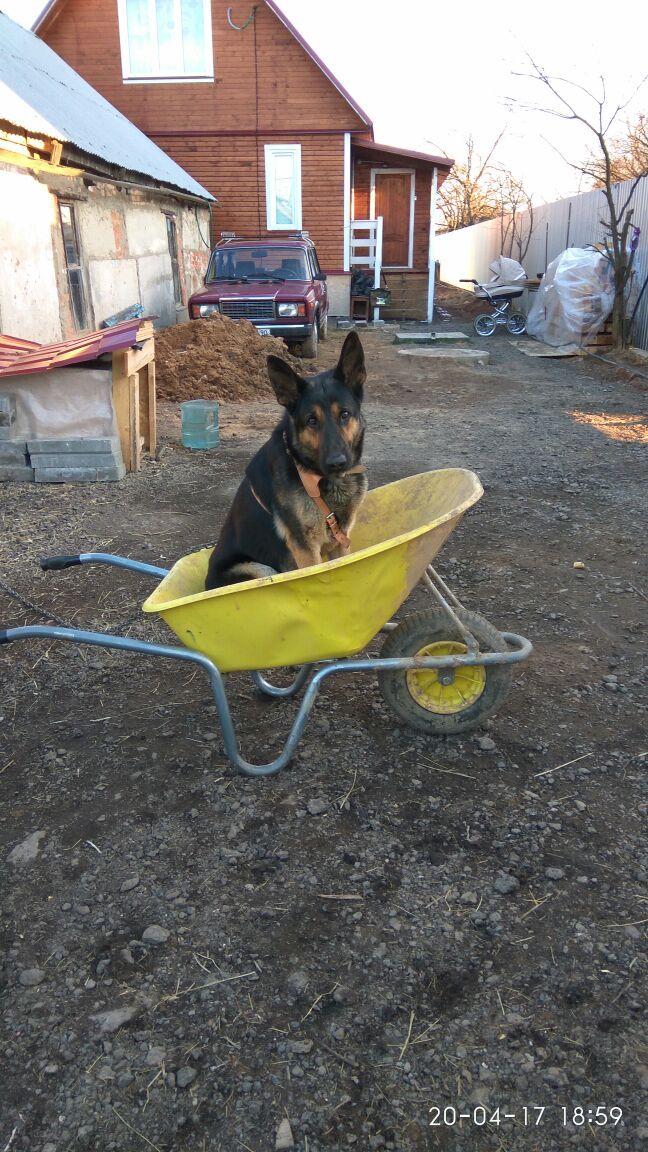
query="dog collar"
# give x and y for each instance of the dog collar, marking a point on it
(311, 482)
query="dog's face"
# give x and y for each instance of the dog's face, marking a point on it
(326, 424)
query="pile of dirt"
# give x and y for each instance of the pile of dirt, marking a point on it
(215, 359)
(460, 303)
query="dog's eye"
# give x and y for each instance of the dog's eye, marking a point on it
(344, 416)
(312, 420)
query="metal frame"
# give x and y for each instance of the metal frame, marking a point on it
(308, 675)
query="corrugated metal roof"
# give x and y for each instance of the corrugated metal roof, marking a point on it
(22, 357)
(41, 94)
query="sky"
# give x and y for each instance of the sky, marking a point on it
(431, 75)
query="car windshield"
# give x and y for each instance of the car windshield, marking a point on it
(259, 263)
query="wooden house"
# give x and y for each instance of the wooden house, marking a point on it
(235, 95)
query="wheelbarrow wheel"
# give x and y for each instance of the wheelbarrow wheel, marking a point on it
(484, 324)
(444, 701)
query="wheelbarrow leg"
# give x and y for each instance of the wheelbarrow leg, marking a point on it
(289, 689)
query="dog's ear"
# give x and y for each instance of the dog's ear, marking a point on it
(351, 365)
(286, 383)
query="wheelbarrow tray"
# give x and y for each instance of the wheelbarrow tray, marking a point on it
(329, 610)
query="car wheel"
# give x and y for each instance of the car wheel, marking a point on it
(323, 327)
(311, 344)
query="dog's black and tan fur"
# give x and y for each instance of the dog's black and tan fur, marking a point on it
(273, 524)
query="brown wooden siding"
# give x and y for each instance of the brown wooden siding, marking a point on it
(234, 166)
(265, 88)
(422, 187)
(263, 77)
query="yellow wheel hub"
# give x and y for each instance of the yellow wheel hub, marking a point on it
(446, 690)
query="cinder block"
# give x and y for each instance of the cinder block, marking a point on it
(78, 475)
(90, 460)
(16, 472)
(7, 431)
(83, 445)
(13, 452)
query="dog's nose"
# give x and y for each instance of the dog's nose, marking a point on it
(336, 462)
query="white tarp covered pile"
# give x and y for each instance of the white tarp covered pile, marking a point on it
(574, 299)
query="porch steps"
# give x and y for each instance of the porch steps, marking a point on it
(409, 292)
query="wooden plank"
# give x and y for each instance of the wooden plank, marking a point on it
(121, 405)
(134, 428)
(145, 331)
(152, 408)
(136, 358)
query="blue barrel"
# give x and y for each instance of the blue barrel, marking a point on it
(200, 424)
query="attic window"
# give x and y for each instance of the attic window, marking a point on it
(166, 40)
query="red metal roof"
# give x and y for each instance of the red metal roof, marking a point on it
(22, 357)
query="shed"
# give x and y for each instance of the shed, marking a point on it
(77, 411)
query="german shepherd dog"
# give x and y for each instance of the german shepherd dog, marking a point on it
(301, 491)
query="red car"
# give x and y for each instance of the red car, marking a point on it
(276, 284)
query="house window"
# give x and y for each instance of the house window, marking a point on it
(166, 39)
(73, 265)
(283, 186)
(172, 239)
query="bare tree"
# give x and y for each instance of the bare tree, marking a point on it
(515, 215)
(572, 101)
(628, 154)
(469, 195)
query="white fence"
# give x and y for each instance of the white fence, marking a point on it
(575, 222)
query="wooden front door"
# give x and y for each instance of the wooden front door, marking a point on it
(393, 201)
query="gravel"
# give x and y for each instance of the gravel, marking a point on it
(393, 924)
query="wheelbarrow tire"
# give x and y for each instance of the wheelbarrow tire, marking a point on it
(484, 324)
(478, 690)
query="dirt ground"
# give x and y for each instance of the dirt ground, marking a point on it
(395, 930)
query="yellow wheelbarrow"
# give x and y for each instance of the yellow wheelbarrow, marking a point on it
(443, 670)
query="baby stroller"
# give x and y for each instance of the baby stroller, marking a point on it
(500, 291)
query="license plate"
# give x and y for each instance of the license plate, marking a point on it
(263, 331)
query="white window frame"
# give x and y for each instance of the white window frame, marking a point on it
(411, 172)
(158, 77)
(271, 151)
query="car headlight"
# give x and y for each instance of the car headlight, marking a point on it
(207, 309)
(291, 310)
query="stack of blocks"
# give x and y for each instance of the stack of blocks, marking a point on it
(76, 461)
(80, 461)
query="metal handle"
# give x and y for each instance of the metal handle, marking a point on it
(58, 563)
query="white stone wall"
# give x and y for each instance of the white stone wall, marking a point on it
(29, 304)
(124, 253)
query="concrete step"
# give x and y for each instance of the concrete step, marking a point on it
(88, 460)
(16, 472)
(13, 452)
(69, 475)
(84, 445)
(403, 336)
(466, 355)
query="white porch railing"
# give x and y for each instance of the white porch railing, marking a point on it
(366, 249)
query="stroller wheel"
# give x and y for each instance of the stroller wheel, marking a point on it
(484, 324)
(516, 323)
